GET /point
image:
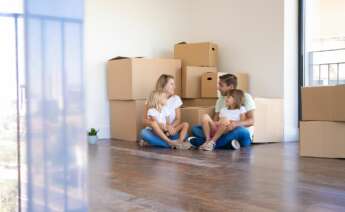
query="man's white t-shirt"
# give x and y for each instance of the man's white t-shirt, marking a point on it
(232, 115)
(173, 103)
(160, 116)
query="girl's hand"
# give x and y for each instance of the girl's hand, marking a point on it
(225, 122)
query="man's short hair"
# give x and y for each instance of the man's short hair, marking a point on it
(229, 79)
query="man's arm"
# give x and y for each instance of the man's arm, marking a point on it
(248, 122)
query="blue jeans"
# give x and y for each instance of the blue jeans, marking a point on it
(240, 133)
(150, 137)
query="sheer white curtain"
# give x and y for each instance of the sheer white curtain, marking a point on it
(56, 148)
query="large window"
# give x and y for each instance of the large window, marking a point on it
(323, 40)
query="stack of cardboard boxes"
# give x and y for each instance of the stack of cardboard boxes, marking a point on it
(200, 79)
(129, 83)
(322, 129)
(197, 59)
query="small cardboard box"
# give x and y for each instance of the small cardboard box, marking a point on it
(199, 102)
(325, 103)
(197, 54)
(322, 139)
(135, 78)
(193, 115)
(191, 80)
(268, 120)
(209, 83)
(126, 119)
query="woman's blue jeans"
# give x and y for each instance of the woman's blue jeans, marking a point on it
(150, 137)
(240, 134)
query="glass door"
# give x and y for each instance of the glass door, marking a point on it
(43, 148)
(12, 103)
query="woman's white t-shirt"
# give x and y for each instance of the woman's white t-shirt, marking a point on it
(232, 115)
(160, 116)
(173, 103)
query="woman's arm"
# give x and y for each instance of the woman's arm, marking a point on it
(177, 120)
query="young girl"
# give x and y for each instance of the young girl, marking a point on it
(234, 111)
(158, 112)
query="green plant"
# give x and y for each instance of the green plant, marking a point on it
(92, 132)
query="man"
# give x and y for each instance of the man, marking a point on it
(235, 136)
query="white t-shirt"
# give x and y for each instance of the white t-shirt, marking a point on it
(173, 103)
(161, 116)
(232, 115)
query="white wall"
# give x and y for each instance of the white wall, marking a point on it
(127, 28)
(250, 35)
(250, 38)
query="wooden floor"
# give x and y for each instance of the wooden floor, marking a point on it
(265, 177)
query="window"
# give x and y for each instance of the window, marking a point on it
(323, 39)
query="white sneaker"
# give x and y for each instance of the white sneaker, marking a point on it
(235, 144)
(141, 143)
(183, 145)
(209, 146)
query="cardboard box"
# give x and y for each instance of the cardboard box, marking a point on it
(322, 139)
(193, 115)
(135, 78)
(199, 102)
(209, 83)
(326, 103)
(197, 54)
(269, 120)
(126, 119)
(191, 80)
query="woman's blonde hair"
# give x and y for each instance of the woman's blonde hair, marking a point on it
(163, 81)
(155, 99)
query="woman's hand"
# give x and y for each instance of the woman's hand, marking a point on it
(171, 129)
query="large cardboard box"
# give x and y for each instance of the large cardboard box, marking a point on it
(322, 139)
(135, 78)
(326, 103)
(191, 80)
(197, 54)
(126, 119)
(209, 83)
(269, 120)
(193, 115)
(199, 102)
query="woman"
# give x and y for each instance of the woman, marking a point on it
(153, 134)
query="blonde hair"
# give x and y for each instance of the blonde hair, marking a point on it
(163, 81)
(155, 99)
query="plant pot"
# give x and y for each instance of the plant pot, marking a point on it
(92, 139)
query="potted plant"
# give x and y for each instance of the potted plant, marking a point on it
(92, 136)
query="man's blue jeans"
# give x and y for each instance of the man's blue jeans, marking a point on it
(150, 137)
(240, 134)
